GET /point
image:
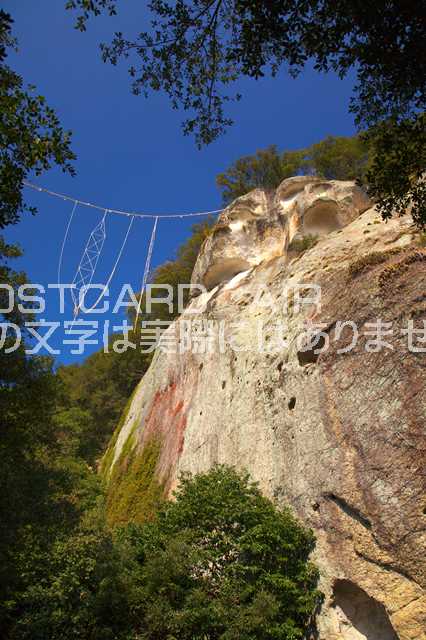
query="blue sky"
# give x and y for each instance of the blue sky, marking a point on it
(131, 153)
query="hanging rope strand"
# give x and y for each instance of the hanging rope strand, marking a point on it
(146, 270)
(64, 242)
(117, 211)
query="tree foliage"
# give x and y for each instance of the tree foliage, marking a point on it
(93, 395)
(265, 169)
(31, 138)
(81, 589)
(334, 158)
(339, 158)
(222, 562)
(396, 176)
(195, 50)
(43, 491)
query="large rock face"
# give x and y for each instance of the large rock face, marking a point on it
(339, 435)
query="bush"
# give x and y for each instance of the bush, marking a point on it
(303, 244)
(222, 561)
(83, 591)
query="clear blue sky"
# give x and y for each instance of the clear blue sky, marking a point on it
(131, 153)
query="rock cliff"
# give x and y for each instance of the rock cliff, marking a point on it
(256, 373)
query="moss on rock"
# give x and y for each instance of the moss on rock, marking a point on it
(304, 243)
(106, 461)
(134, 491)
(370, 260)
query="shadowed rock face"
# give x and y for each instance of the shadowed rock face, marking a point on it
(367, 617)
(339, 435)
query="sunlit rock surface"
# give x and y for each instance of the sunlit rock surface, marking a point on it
(338, 436)
(260, 226)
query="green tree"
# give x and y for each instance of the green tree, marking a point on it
(339, 158)
(81, 590)
(43, 491)
(265, 169)
(396, 175)
(93, 395)
(195, 50)
(219, 562)
(222, 562)
(31, 138)
(334, 158)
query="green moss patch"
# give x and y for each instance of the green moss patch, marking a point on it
(303, 244)
(370, 260)
(134, 491)
(108, 457)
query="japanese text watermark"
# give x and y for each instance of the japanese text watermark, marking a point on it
(193, 332)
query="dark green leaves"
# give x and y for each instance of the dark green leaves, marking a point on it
(397, 172)
(194, 51)
(223, 562)
(31, 138)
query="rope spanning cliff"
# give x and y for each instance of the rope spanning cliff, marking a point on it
(88, 262)
(76, 201)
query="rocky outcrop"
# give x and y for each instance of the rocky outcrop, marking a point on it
(260, 225)
(331, 425)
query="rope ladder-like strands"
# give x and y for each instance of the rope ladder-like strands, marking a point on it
(64, 242)
(88, 262)
(111, 275)
(94, 246)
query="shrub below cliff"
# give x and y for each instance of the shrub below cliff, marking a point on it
(223, 562)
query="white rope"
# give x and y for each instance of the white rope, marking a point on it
(146, 270)
(64, 241)
(117, 211)
(101, 295)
